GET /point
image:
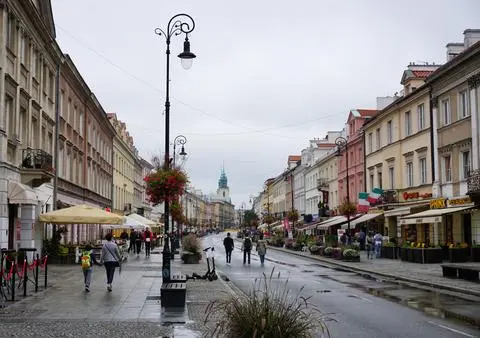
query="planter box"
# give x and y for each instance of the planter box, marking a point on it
(417, 255)
(475, 254)
(432, 255)
(388, 252)
(404, 254)
(457, 255)
(410, 255)
(351, 259)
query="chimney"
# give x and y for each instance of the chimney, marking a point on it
(453, 49)
(471, 36)
(383, 101)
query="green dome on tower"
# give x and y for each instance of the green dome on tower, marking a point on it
(223, 182)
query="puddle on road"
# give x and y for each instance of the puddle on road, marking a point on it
(428, 301)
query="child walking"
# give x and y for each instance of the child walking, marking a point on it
(88, 260)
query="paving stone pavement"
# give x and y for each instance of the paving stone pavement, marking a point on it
(425, 274)
(133, 309)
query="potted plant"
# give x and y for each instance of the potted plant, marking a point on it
(314, 249)
(458, 253)
(292, 215)
(475, 252)
(191, 250)
(433, 255)
(404, 252)
(328, 251)
(351, 255)
(337, 253)
(388, 250)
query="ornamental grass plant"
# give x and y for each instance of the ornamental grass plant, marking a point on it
(267, 311)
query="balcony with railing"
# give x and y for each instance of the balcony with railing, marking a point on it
(473, 185)
(322, 182)
(36, 168)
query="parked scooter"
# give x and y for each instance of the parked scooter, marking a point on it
(211, 274)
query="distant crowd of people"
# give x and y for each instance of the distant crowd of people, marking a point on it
(247, 245)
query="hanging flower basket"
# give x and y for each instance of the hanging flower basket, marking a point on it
(176, 211)
(292, 215)
(165, 184)
(347, 209)
(269, 219)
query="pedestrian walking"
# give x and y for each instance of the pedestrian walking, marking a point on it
(229, 245)
(261, 248)
(369, 245)
(88, 260)
(138, 243)
(148, 237)
(247, 248)
(110, 258)
(378, 241)
(133, 238)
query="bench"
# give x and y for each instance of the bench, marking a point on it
(177, 277)
(467, 272)
(173, 294)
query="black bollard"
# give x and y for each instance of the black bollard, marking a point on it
(13, 280)
(36, 272)
(45, 270)
(25, 278)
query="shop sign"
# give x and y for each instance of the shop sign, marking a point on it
(459, 201)
(415, 195)
(438, 203)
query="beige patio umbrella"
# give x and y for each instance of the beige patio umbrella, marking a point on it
(81, 214)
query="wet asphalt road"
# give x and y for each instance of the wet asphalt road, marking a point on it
(353, 312)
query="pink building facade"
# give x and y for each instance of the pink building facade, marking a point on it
(356, 152)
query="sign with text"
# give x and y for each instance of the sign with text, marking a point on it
(459, 201)
(438, 203)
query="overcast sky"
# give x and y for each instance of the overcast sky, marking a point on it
(269, 75)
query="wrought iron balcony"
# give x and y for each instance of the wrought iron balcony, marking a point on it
(37, 159)
(473, 183)
(322, 183)
(36, 168)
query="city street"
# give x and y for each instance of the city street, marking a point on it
(352, 311)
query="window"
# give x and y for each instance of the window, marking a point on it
(446, 114)
(377, 137)
(379, 180)
(463, 104)
(81, 121)
(408, 124)
(62, 100)
(69, 111)
(371, 181)
(389, 132)
(391, 177)
(421, 116)
(74, 118)
(34, 63)
(409, 174)
(23, 50)
(447, 169)
(23, 125)
(9, 114)
(370, 142)
(423, 170)
(465, 164)
(11, 33)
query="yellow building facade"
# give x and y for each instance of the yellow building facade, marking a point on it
(123, 167)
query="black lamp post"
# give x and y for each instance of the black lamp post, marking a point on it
(341, 143)
(178, 24)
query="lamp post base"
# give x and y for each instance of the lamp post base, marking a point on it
(166, 268)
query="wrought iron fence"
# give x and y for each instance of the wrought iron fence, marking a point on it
(473, 182)
(37, 159)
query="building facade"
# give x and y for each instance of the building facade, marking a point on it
(29, 59)
(356, 119)
(124, 157)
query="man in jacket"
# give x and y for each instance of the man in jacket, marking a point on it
(228, 244)
(247, 248)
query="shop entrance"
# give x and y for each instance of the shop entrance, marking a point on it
(467, 229)
(12, 216)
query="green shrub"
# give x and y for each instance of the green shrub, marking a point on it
(314, 248)
(328, 251)
(266, 311)
(350, 253)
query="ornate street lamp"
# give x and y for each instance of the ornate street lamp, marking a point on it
(178, 24)
(342, 143)
(180, 140)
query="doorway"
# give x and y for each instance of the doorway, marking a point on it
(12, 218)
(467, 229)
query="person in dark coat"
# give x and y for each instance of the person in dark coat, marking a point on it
(229, 245)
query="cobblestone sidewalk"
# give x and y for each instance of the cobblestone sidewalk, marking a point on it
(132, 309)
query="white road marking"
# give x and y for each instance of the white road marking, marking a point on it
(451, 329)
(365, 299)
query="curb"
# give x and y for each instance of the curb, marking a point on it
(383, 274)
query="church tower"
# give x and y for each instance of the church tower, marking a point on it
(223, 192)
